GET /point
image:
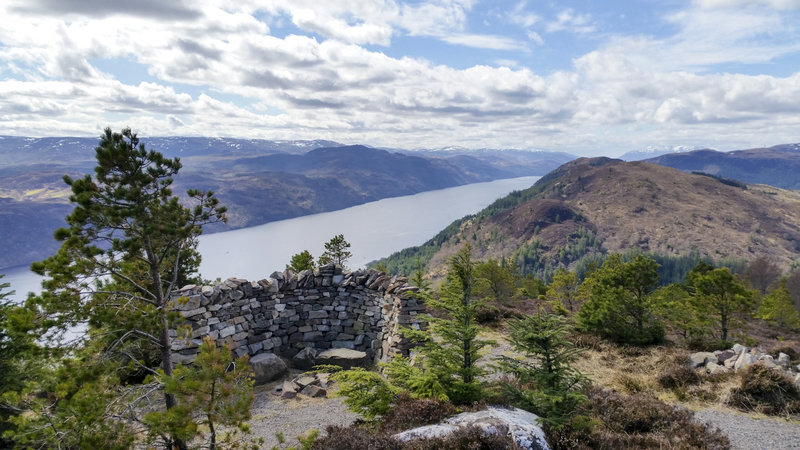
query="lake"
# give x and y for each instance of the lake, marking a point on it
(374, 230)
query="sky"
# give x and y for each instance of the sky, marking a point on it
(585, 77)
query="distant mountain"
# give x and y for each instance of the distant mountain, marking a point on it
(777, 166)
(652, 152)
(259, 181)
(589, 207)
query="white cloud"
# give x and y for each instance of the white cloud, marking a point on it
(632, 91)
(777, 4)
(568, 20)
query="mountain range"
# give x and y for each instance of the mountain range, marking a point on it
(259, 181)
(778, 165)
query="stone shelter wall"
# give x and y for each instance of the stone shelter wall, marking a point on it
(362, 310)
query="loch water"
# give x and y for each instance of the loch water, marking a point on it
(374, 230)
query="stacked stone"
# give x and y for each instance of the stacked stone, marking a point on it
(321, 309)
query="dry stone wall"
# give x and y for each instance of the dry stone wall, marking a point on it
(362, 310)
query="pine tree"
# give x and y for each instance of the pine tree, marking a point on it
(619, 304)
(216, 390)
(336, 251)
(777, 308)
(129, 245)
(720, 295)
(301, 261)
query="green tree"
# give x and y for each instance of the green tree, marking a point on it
(418, 277)
(301, 261)
(563, 291)
(619, 304)
(496, 281)
(547, 383)
(720, 295)
(778, 309)
(217, 390)
(129, 246)
(451, 347)
(336, 251)
(674, 305)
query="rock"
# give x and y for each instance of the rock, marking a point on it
(767, 361)
(342, 357)
(305, 380)
(289, 390)
(267, 367)
(738, 348)
(744, 360)
(730, 362)
(305, 359)
(797, 380)
(784, 361)
(521, 425)
(314, 391)
(724, 356)
(700, 359)
(714, 368)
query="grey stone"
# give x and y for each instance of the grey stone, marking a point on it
(744, 360)
(305, 359)
(521, 425)
(700, 359)
(314, 391)
(738, 348)
(784, 361)
(267, 367)
(343, 357)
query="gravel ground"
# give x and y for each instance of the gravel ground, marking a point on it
(750, 433)
(294, 416)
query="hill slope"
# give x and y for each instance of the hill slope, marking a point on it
(592, 206)
(778, 166)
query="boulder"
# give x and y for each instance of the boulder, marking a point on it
(744, 360)
(305, 359)
(521, 425)
(738, 348)
(314, 391)
(267, 367)
(700, 359)
(342, 357)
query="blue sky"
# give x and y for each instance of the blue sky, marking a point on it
(587, 77)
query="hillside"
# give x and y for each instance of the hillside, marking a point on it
(777, 166)
(593, 206)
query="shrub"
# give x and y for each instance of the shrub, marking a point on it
(678, 375)
(642, 421)
(365, 392)
(354, 436)
(410, 413)
(765, 390)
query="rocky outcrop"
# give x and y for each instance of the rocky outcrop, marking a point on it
(328, 308)
(740, 357)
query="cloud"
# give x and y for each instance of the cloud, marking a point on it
(484, 41)
(227, 73)
(568, 20)
(172, 10)
(777, 4)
